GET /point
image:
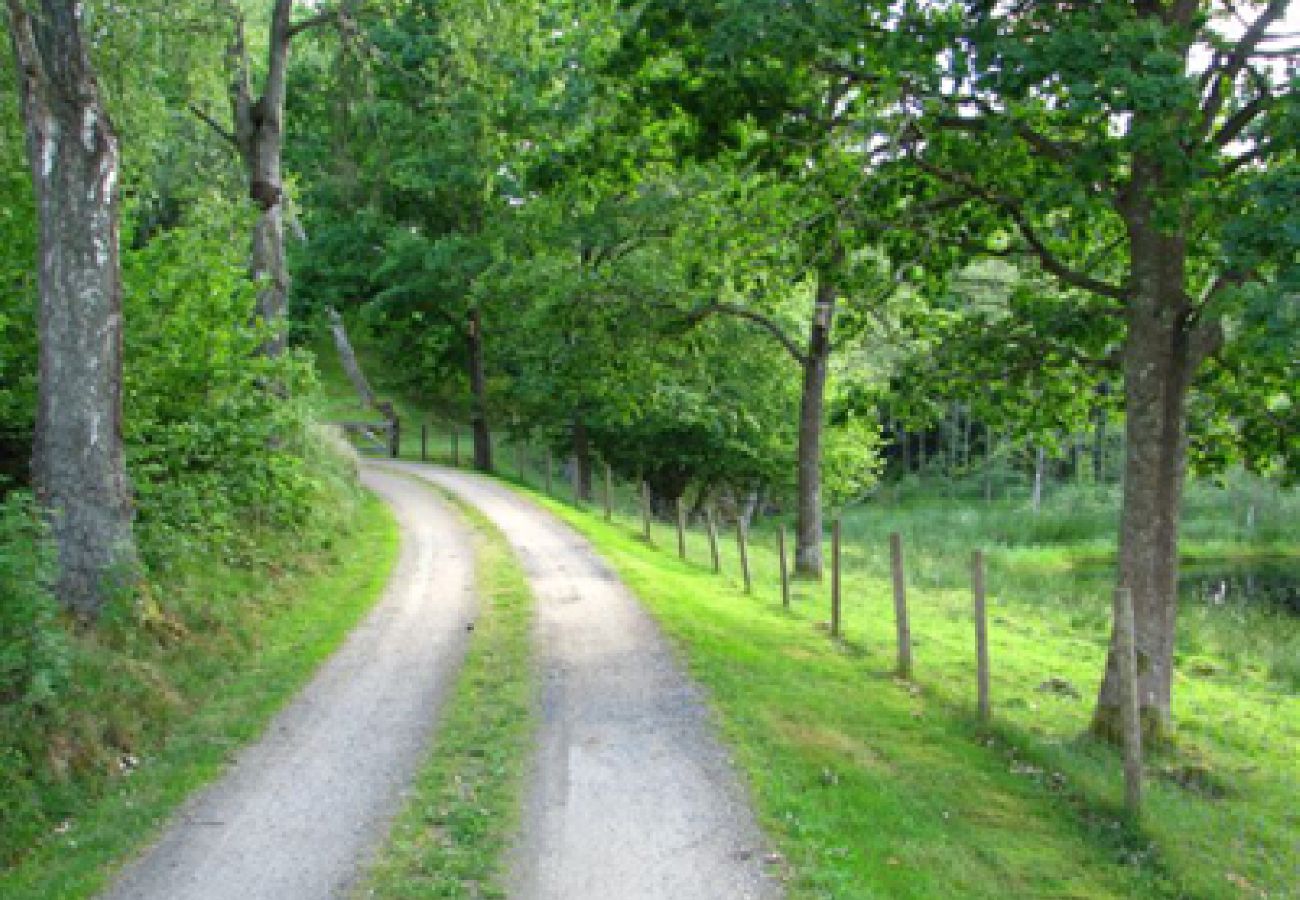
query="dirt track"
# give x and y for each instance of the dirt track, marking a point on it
(301, 811)
(631, 797)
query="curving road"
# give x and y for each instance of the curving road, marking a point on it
(300, 812)
(632, 798)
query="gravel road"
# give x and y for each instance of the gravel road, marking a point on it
(300, 812)
(632, 798)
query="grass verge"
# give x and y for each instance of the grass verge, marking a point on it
(159, 711)
(451, 836)
(874, 786)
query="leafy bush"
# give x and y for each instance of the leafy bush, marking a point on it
(33, 645)
(218, 437)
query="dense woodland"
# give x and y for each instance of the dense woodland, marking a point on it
(772, 252)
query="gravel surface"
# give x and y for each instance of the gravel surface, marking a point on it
(632, 798)
(300, 812)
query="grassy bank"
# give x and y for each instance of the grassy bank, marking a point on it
(164, 693)
(878, 787)
(450, 838)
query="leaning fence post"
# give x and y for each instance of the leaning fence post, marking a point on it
(981, 635)
(1130, 709)
(424, 442)
(395, 437)
(681, 529)
(900, 605)
(744, 554)
(609, 493)
(645, 510)
(785, 568)
(713, 540)
(835, 578)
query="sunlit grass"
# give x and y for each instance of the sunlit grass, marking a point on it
(876, 787)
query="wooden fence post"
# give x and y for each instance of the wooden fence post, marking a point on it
(835, 578)
(1130, 708)
(981, 635)
(609, 493)
(744, 554)
(681, 529)
(645, 510)
(550, 485)
(395, 437)
(785, 568)
(424, 442)
(713, 540)
(455, 447)
(902, 625)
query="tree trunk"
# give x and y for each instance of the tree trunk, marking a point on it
(1040, 465)
(479, 392)
(478, 417)
(808, 525)
(349, 360)
(259, 137)
(1161, 352)
(77, 459)
(582, 458)
(1099, 439)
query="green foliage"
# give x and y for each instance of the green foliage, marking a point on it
(850, 460)
(217, 436)
(33, 645)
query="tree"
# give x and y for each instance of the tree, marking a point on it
(79, 473)
(257, 135)
(1124, 147)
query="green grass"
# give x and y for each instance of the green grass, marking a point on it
(159, 710)
(450, 838)
(878, 787)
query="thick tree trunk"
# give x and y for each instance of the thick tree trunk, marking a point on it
(478, 416)
(1161, 352)
(582, 457)
(808, 525)
(77, 461)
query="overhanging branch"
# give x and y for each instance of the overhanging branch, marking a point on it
(1048, 259)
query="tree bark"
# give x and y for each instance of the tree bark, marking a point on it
(478, 416)
(1040, 466)
(808, 525)
(259, 138)
(77, 460)
(349, 360)
(582, 457)
(1162, 350)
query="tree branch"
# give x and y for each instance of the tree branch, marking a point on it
(1048, 259)
(321, 18)
(741, 312)
(1228, 67)
(223, 132)
(1240, 120)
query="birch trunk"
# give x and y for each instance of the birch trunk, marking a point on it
(77, 460)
